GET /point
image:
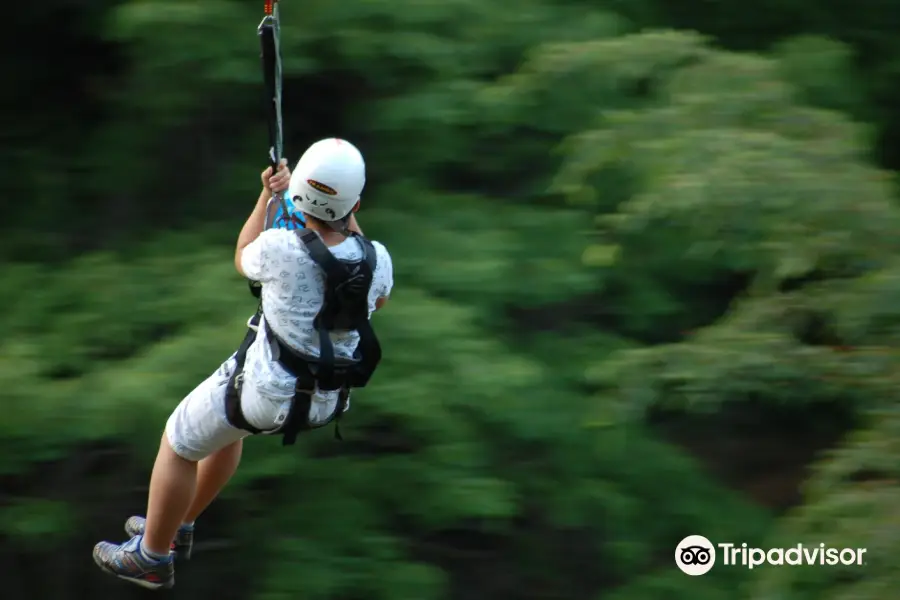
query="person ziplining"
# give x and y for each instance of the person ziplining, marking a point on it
(312, 344)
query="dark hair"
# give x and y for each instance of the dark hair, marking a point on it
(339, 226)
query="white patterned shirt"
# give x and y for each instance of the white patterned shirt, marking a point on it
(293, 290)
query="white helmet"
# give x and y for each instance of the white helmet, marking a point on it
(328, 180)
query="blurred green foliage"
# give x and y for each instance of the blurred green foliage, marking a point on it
(646, 286)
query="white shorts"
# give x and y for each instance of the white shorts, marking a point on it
(199, 427)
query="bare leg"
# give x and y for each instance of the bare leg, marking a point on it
(172, 487)
(213, 473)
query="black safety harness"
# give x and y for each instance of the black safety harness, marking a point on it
(345, 308)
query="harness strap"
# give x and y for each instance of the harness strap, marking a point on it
(298, 416)
(310, 373)
(302, 368)
(337, 274)
(370, 349)
(233, 411)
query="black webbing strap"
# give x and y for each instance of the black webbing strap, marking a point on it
(298, 416)
(338, 274)
(370, 349)
(320, 372)
(335, 274)
(233, 411)
(301, 367)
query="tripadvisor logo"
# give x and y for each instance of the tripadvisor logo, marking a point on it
(696, 555)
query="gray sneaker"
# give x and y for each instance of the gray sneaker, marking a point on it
(184, 539)
(127, 562)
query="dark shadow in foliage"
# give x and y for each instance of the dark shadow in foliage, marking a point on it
(109, 351)
(385, 435)
(648, 87)
(191, 156)
(612, 310)
(535, 560)
(317, 106)
(814, 329)
(700, 304)
(870, 476)
(54, 67)
(63, 371)
(527, 557)
(555, 317)
(758, 26)
(140, 339)
(103, 485)
(793, 284)
(810, 325)
(761, 449)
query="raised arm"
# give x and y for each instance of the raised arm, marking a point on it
(257, 219)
